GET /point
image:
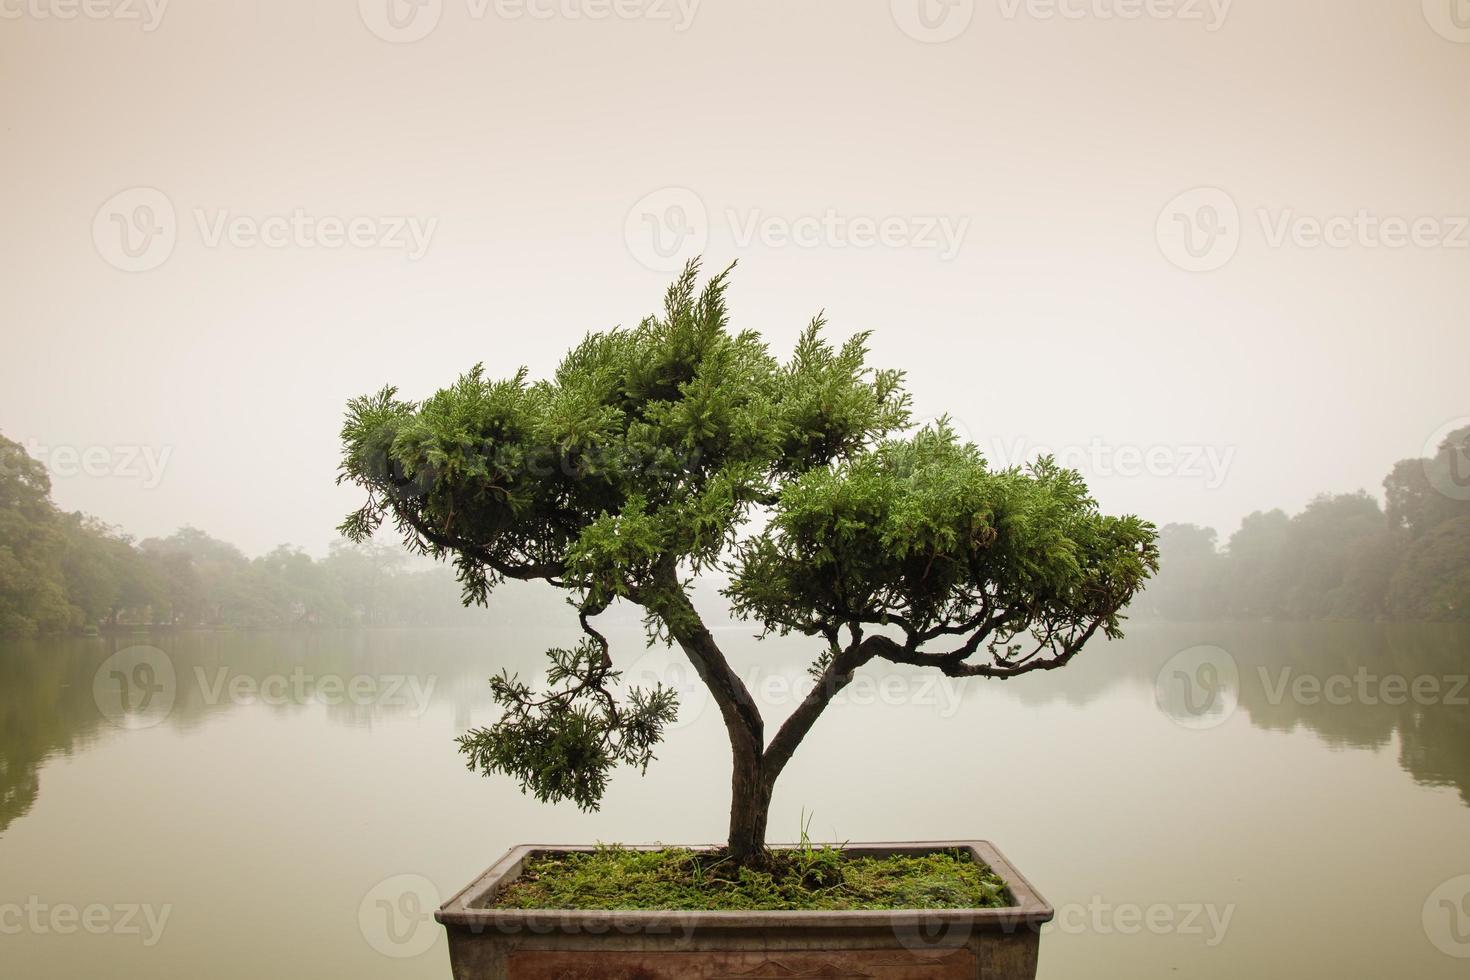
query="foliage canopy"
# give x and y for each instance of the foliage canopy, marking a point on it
(681, 447)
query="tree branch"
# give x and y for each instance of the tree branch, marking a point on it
(953, 663)
(793, 731)
(550, 571)
(669, 602)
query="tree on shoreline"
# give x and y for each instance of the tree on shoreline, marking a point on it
(67, 572)
(1343, 557)
(681, 447)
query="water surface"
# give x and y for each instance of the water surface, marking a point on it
(291, 804)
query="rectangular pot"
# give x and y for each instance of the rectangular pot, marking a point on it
(929, 944)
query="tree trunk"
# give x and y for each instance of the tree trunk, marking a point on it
(750, 787)
(750, 808)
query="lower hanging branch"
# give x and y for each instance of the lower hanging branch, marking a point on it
(562, 743)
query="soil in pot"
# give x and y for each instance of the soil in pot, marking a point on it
(805, 878)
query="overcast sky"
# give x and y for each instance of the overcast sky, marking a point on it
(1215, 255)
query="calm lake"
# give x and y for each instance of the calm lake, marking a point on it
(1196, 801)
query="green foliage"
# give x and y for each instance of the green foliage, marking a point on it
(920, 532)
(32, 589)
(806, 878)
(1433, 581)
(646, 443)
(646, 459)
(63, 571)
(1424, 493)
(562, 744)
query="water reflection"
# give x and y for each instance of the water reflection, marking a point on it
(59, 694)
(1357, 687)
(40, 714)
(1353, 685)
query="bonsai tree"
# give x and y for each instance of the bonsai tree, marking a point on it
(683, 447)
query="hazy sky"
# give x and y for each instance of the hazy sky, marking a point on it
(222, 220)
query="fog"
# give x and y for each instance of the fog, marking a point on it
(1215, 256)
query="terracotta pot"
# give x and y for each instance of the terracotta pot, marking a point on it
(931, 944)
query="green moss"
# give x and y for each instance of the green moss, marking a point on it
(806, 878)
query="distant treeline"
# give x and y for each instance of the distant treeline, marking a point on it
(1343, 557)
(62, 572)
